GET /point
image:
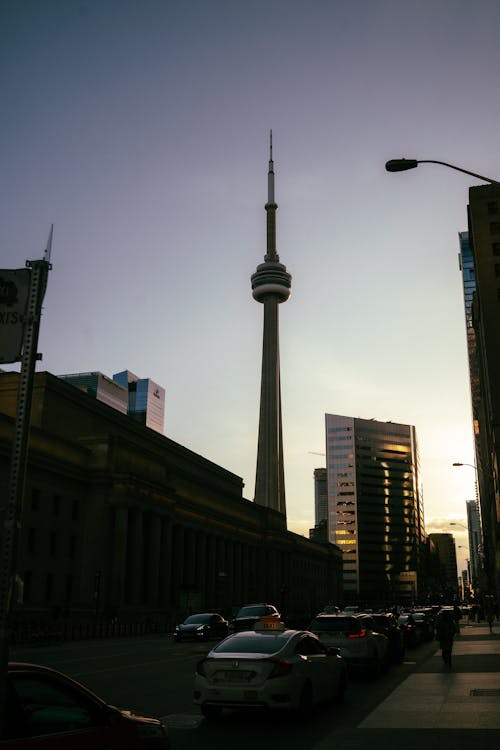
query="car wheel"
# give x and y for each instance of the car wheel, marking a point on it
(305, 709)
(211, 712)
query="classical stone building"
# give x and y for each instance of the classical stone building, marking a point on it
(120, 520)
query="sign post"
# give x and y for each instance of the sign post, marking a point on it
(38, 274)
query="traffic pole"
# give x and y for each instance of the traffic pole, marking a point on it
(13, 508)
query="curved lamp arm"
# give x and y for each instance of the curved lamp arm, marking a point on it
(402, 165)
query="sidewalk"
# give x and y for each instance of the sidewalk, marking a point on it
(435, 697)
(438, 708)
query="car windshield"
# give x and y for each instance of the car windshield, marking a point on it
(196, 619)
(336, 624)
(253, 612)
(252, 643)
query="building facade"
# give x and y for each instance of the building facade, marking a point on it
(120, 519)
(484, 241)
(375, 507)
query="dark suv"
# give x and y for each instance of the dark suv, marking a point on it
(388, 625)
(247, 616)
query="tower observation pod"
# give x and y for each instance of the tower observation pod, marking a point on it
(271, 285)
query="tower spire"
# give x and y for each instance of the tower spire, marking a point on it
(271, 207)
(271, 285)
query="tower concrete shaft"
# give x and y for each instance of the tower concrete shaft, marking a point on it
(270, 285)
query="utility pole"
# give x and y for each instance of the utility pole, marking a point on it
(13, 509)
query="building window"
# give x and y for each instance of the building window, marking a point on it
(495, 227)
(56, 504)
(35, 499)
(72, 547)
(495, 248)
(74, 510)
(492, 207)
(497, 269)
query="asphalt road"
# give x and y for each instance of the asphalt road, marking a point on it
(154, 675)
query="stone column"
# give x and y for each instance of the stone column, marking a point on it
(153, 561)
(166, 565)
(119, 556)
(135, 557)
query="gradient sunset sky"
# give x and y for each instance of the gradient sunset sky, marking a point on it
(140, 129)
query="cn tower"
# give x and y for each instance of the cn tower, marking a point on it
(271, 285)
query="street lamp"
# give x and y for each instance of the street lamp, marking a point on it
(402, 165)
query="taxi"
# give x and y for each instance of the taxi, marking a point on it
(270, 667)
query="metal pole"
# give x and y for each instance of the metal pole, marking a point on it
(13, 510)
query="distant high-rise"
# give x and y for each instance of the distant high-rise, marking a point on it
(445, 545)
(142, 399)
(475, 540)
(320, 496)
(146, 399)
(271, 285)
(100, 387)
(375, 506)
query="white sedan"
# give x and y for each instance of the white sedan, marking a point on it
(270, 667)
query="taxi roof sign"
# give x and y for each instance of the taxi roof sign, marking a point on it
(269, 624)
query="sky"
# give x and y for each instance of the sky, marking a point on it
(140, 129)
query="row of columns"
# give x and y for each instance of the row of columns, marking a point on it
(158, 563)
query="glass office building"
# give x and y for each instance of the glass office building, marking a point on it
(140, 398)
(375, 507)
(146, 399)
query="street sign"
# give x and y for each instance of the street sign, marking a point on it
(14, 293)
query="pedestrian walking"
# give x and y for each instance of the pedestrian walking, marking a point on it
(489, 609)
(445, 634)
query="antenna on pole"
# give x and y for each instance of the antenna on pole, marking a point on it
(48, 249)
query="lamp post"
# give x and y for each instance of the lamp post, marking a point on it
(402, 165)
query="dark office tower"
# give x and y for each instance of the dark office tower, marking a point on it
(375, 507)
(270, 285)
(445, 545)
(484, 238)
(475, 541)
(320, 496)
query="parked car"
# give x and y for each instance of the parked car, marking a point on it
(247, 616)
(202, 627)
(46, 708)
(359, 644)
(425, 623)
(270, 667)
(387, 624)
(412, 631)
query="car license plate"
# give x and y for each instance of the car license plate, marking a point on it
(231, 676)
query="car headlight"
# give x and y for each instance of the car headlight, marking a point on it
(145, 729)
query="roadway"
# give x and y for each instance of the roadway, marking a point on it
(154, 675)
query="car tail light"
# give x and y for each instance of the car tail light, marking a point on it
(280, 668)
(361, 634)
